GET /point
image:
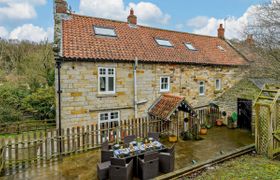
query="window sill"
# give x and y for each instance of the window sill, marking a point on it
(217, 91)
(106, 95)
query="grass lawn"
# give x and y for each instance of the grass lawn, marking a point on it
(245, 167)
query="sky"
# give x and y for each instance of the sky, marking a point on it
(33, 19)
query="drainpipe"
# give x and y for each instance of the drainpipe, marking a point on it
(135, 86)
(58, 66)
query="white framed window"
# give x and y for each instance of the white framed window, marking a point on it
(106, 80)
(104, 31)
(221, 48)
(201, 88)
(190, 46)
(164, 84)
(218, 84)
(163, 42)
(108, 120)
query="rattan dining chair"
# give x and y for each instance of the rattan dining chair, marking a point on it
(154, 135)
(128, 139)
(167, 160)
(148, 165)
(120, 170)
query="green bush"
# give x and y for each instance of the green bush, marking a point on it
(11, 97)
(41, 103)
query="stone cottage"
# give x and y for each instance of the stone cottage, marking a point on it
(109, 70)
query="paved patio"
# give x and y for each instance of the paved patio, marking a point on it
(83, 166)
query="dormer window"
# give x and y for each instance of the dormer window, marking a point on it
(221, 48)
(104, 31)
(190, 46)
(163, 42)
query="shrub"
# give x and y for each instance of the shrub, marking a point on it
(11, 97)
(41, 103)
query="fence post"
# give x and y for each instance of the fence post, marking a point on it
(2, 157)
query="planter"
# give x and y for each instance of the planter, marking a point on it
(203, 131)
(172, 138)
(219, 122)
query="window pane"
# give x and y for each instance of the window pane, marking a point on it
(111, 84)
(201, 90)
(164, 42)
(111, 71)
(102, 71)
(218, 84)
(114, 115)
(103, 116)
(190, 46)
(102, 84)
(104, 31)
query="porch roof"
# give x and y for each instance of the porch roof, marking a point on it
(165, 106)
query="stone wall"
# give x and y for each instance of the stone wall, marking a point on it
(244, 89)
(81, 102)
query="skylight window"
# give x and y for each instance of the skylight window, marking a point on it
(164, 42)
(104, 31)
(221, 48)
(190, 46)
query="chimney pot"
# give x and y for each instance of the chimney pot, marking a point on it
(249, 40)
(61, 6)
(221, 32)
(132, 19)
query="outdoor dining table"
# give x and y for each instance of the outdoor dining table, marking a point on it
(137, 149)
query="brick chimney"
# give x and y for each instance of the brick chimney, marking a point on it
(61, 6)
(250, 40)
(132, 19)
(221, 32)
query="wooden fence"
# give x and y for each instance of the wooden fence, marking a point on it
(208, 115)
(23, 151)
(2, 159)
(267, 121)
(26, 126)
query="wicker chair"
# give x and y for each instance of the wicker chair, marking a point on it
(154, 135)
(149, 165)
(120, 170)
(106, 155)
(167, 160)
(105, 146)
(103, 170)
(128, 139)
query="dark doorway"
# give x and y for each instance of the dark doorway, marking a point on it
(244, 109)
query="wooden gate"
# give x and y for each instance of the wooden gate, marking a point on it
(267, 108)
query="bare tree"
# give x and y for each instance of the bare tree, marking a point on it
(265, 27)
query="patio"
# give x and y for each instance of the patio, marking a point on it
(83, 166)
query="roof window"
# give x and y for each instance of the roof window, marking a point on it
(221, 48)
(104, 31)
(190, 46)
(163, 42)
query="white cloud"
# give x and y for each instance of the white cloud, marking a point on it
(146, 12)
(19, 9)
(31, 33)
(234, 27)
(3, 32)
(197, 22)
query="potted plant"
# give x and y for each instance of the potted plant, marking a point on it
(203, 129)
(172, 138)
(219, 122)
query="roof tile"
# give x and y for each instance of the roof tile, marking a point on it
(79, 42)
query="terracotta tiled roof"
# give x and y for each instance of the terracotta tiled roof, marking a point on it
(165, 106)
(79, 42)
